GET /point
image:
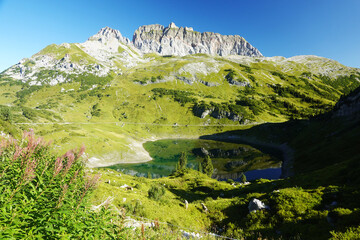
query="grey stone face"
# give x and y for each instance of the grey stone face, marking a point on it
(181, 41)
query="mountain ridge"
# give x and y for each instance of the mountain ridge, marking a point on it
(181, 41)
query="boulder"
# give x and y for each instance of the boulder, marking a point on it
(256, 204)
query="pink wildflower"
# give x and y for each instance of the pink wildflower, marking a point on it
(58, 166)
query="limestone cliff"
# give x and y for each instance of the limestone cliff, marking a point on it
(181, 41)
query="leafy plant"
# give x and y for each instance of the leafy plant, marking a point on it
(43, 196)
(156, 192)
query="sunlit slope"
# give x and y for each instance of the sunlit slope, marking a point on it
(114, 101)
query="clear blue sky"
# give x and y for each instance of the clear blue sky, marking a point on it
(328, 28)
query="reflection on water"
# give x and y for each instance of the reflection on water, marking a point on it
(229, 159)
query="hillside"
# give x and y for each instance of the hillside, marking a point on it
(112, 96)
(318, 202)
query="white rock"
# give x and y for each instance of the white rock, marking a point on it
(256, 204)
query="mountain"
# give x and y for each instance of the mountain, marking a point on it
(181, 41)
(131, 96)
(112, 95)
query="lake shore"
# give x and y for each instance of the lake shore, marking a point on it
(138, 154)
(282, 151)
(135, 154)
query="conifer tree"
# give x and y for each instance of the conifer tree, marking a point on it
(243, 178)
(207, 166)
(182, 162)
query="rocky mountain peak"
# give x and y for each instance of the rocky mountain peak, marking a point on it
(181, 41)
(105, 34)
(172, 25)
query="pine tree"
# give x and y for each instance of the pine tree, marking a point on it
(182, 162)
(200, 168)
(243, 178)
(207, 166)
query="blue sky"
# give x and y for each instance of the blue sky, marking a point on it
(328, 28)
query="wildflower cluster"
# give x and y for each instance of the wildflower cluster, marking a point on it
(43, 195)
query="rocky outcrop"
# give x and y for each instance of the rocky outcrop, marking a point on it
(348, 106)
(203, 110)
(181, 41)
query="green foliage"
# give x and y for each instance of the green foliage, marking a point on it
(207, 166)
(256, 106)
(29, 113)
(278, 74)
(179, 96)
(156, 192)
(44, 196)
(88, 80)
(246, 68)
(95, 110)
(346, 83)
(292, 203)
(23, 94)
(292, 92)
(230, 181)
(243, 178)
(6, 114)
(120, 49)
(182, 163)
(232, 77)
(350, 234)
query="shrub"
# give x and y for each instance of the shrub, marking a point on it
(181, 165)
(243, 178)
(5, 113)
(230, 181)
(28, 113)
(43, 196)
(291, 203)
(207, 166)
(156, 192)
(95, 110)
(350, 233)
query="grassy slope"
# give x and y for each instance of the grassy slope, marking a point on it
(121, 99)
(294, 211)
(326, 163)
(125, 105)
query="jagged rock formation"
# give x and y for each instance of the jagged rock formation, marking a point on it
(108, 34)
(181, 41)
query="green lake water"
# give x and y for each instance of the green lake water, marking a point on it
(229, 159)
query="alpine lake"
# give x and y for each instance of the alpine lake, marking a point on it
(229, 159)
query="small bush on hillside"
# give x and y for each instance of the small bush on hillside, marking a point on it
(291, 203)
(5, 113)
(156, 192)
(29, 113)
